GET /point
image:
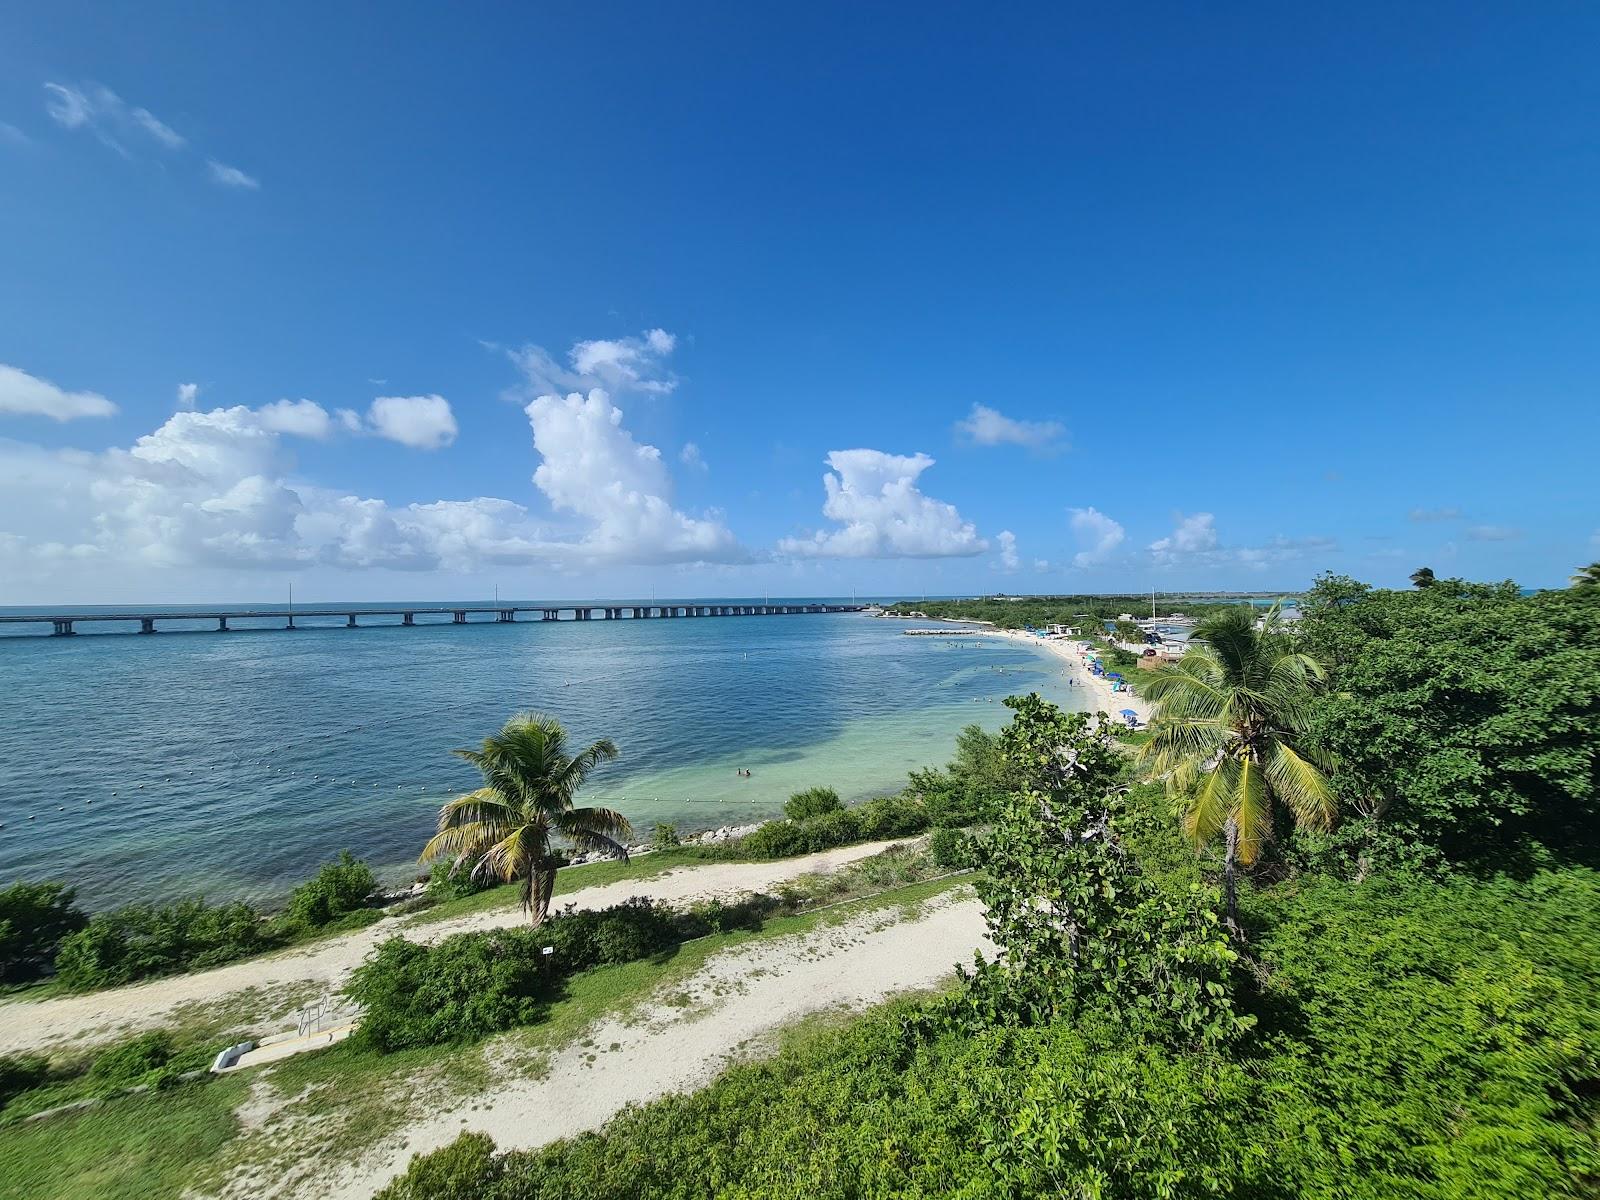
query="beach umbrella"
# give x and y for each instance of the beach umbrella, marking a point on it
(1128, 712)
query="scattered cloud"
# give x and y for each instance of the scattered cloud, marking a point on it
(188, 393)
(1192, 535)
(1009, 560)
(691, 457)
(10, 135)
(874, 497)
(160, 130)
(985, 426)
(1493, 533)
(1097, 533)
(619, 488)
(620, 366)
(302, 418)
(230, 177)
(95, 109)
(421, 422)
(1041, 564)
(1422, 515)
(1194, 542)
(22, 394)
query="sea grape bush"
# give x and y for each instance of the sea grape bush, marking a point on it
(340, 887)
(1080, 923)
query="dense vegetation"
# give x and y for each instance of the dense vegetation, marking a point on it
(41, 929)
(1038, 611)
(1407, 1008)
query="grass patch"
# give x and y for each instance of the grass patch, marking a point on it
(138, 1146)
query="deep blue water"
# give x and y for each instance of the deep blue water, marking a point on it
(233, 764)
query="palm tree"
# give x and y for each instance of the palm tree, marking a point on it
(1422, 577)
(505, 826)
(1587, 577)
(1228, 736)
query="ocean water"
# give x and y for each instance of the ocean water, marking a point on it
(144, 768)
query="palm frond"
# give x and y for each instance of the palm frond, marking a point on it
(1253, 810)
(1301, 786)
(1211, 803)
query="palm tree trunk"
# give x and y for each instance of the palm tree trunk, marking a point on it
(541, 883)
(1230, 879)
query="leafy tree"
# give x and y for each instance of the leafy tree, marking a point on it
(813, 802)
(1422, 577)
(1229, 737)
(664, 836)
(34, 917)
(529, 784)
(1587, 577)
(1080, 924)
(1463, 715)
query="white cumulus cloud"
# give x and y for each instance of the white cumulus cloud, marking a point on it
(1097, 534)
(619, 488)
(691, 457)
(1009, 559)
(874, 498)
(1193, 535)
(985, 426)
(28, 395)
(421, 422)
(188, 393)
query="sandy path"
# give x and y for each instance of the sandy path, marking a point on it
(266, 987)
(1107, 701)
(741, 996)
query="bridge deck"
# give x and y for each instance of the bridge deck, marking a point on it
(63, 622)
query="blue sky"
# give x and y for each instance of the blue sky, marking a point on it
(1176, 297)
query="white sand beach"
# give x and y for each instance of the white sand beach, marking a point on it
(1066, 649)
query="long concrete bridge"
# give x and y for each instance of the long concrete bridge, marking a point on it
(62, 624)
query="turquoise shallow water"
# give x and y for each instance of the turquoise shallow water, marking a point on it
(232, 764)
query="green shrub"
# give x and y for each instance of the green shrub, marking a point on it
(664, 836)
(892, 816)
(141, 941)
(950, 849)
(460, 989)
(19, 1073)
(813, 802)
(774, 839)
(34, 917)
(466, 1169)
(126, 1064)
(340, 887)
(450, 880)
(584, 938)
